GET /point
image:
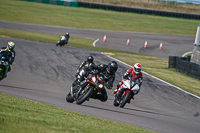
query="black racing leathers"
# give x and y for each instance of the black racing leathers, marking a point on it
(10, 53)
(87, 67)
(109, 78)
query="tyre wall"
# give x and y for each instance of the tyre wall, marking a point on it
(138, 10)
(119, 8)
(183, 65)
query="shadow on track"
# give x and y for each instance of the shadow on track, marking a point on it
(122, 112)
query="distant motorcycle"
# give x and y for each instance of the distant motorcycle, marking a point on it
(90, 87)
(130, 88)
(4, 65)
(63, 40)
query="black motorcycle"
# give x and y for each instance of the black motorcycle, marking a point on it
(88, 88)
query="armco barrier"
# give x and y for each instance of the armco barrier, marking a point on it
(119, 8)
(183, 65)
(138, 10)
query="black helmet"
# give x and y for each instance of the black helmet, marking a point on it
(112, 66)
(90, 59)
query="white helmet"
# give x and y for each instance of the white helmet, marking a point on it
(11, 45)
(137, 68)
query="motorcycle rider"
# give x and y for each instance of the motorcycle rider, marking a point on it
(67, 36)
(65, 41)
(86, 66)
(132, 73)
(9, 51)
(109, 73)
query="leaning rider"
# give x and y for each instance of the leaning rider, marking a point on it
(9, 51)
(130, 73)
(109, 74)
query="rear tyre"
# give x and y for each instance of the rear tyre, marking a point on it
(69, 98)
(116, 103)
(124, 99)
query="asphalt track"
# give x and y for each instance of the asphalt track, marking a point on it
(43, 72)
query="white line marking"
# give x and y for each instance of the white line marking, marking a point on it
(94, 43)
(186, 53)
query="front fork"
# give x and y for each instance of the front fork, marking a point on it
(82, 86)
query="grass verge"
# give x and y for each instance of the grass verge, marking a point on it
(47, 14)
(18, 115)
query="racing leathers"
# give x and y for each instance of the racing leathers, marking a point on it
(109, 79)
(83, 70)
(10, 53)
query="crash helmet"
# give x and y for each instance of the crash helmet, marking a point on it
(67, 33)
(137, 68)
(90, 59)
(112, 66)
(11, 45)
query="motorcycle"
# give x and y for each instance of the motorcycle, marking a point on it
(88, 88)
(63, 40)
(4, 65)
(130, 88)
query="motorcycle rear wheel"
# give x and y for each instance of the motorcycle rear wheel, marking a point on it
(69, 98)
(1, 75)
(115, 103)
(125, 99)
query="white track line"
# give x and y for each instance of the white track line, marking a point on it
(186, 53)
(94, 43)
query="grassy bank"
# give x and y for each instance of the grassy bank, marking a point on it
(47, 14)
(23, 116)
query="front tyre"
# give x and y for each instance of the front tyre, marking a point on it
(84, 95)
(124, 99)
(69, 98)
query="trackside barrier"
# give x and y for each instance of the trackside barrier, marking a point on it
(138, 10)
(119, 8)
(58, 2)
(183, 65)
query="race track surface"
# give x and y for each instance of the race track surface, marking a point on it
(43, 72)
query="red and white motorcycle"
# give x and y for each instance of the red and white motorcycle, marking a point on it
(129, 88)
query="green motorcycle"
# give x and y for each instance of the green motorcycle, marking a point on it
(4, 65)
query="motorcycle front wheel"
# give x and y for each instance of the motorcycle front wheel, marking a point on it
(124, 99)
(84, 95)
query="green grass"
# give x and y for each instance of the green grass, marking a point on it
(47, 14)
(18, 115)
